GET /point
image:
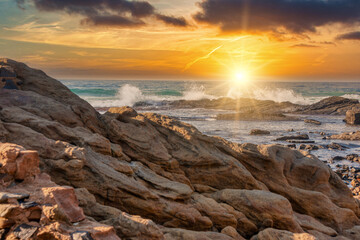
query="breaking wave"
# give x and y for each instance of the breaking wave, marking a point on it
(129, 95)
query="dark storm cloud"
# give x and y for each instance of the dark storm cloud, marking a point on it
(175, 21)
(296, 16)
(106, 12)
(349, 36)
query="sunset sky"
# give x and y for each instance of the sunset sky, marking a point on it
(288, 40)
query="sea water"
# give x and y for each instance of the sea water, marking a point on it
(157, 94)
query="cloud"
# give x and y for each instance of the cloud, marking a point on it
(175, 21)
(295, 16)
(349, 36)
(116, 13)
(304, 45)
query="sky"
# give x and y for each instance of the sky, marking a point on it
(285, 40)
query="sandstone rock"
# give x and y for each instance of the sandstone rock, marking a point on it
(219, 215)
(259, 132)
(182, 234)
(266, 209)
(274, 234)
(231, 232)
(134, 227)
(65, 199)
(353, 117)
(309, 223)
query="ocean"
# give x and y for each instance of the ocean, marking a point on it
(154, 96)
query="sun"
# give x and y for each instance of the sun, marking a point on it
(241, 78)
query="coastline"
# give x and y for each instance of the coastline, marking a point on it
(181, 183)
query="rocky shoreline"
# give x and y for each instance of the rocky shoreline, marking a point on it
(69, 172)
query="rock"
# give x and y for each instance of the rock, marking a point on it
(300, 141)
(353, 117)
(297, 137)
(24, 231)
(259, 132)
(337, 158)
(134, 227)
(6, 197)
(312, 121)
(123, 111)
(182, 234)
(18, 162)
(219, 215)
(274, 234)
(329, 106)
(353, 233)
(81, 235)
(231, 232)
(266, 209)
(309, 223)
(351, 136)
(336, 146)
(65, 199)
(310, 147)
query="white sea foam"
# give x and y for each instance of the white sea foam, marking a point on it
(352, 96)
(196, 92)
(274, 94)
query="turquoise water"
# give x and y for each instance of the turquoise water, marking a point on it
(118, 93)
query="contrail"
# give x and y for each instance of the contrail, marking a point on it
(210, 53)
(201, 58)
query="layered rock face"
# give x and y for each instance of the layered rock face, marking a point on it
(180, 183)
(34, 207)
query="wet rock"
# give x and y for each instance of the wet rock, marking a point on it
(337, 158)
(300, 141)
(312, 121)
(293, 146)
(353, 157)
(297, 137)
(309, 147)
(353, 117)
(336, 146)
(259, 132)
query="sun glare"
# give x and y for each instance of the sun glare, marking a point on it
(241, 78)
